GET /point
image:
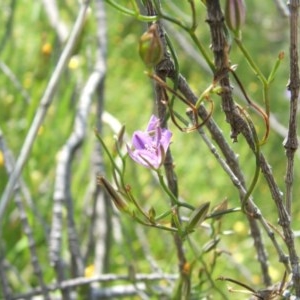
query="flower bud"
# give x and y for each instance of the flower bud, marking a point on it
(150, 47)
(197, 217)
(118, 201)
(235, 14)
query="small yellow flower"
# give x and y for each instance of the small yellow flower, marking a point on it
(41, 130)
(186, 269)
(89, 271)
(74, 62)
(1, 159)
(46, 49)
(28, 80)
(240, 227)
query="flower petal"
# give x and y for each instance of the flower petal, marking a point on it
(165, 140)
(146, 158)
(140, 139)
(150, 146)
(153, 123)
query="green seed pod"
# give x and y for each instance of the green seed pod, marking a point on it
(235, 14)
(150, 47)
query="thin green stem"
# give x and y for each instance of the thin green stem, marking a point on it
(266, 98)
(194, 19)
(202, 50)
(135, 6)
(131, 198)
(250, 61)
(115, 166)
(256, 151)
(204, 95)
(132, 13)
(170, 194)
(190, 31)
(163, 215)
(159, 226)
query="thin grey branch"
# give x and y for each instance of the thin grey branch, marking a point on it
(13, 78)
(101, 230)
(43, 108)
(102, 278)
(291, 144)
(282, 8)
(32, 246)
(59, 26)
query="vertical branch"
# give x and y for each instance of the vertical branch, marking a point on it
(238, 125)
(103, 223)
(32, 246)
(52, 11)
(220, 48)
(162, 70)
(291, 143)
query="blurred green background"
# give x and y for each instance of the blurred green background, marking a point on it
(30, 48)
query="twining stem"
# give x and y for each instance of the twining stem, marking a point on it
(256, 151)
(264, 115)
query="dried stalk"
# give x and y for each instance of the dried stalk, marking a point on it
(32, 246)
(102, 229)
(76, 282)
(220, 48)
(291, 142)
(239, 125)
(59, 26)
(13, 78)
(162, 70)
(62, 194)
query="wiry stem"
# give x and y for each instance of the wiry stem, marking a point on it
(162, 70)
(233, 114)
(291, 143)
(238, 125)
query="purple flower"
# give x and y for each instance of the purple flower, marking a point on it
(150, 146)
